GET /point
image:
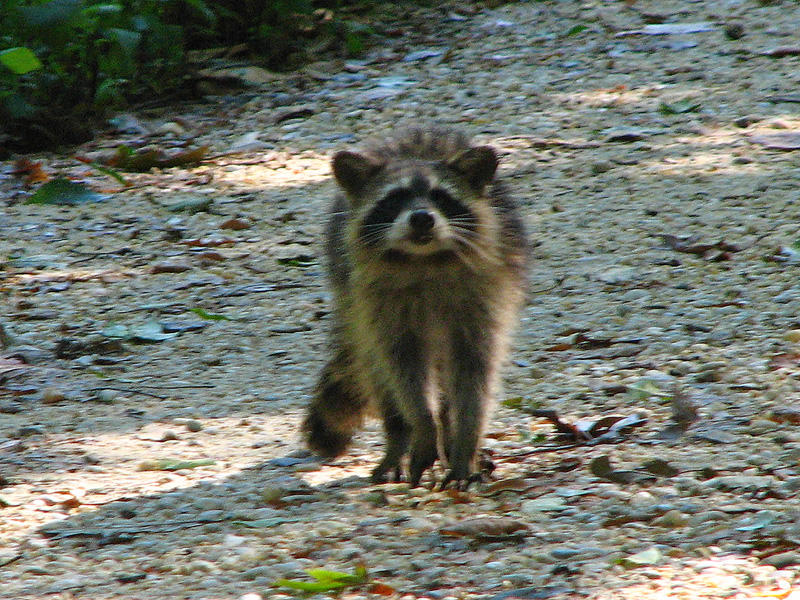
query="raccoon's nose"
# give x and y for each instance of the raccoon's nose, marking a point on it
(421, 221)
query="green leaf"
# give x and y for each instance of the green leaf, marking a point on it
(127, 40)
(17, 107)
(310, 586)
(209, 316)
(577, 29)
(337, 576)
(63, 191)
(644, 389)
(172, 464)
(354, 43)
(327, 580)
(515, 402)
(103, 9)
(20, 60)
(110, 172)
(109, 92)
(301, 262)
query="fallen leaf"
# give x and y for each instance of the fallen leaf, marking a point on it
(689, 246)
(381, 589)
(31, 171)
(651, 556)
(236, 224)
(62, 191)
(785, 415)
(171, 464)
(576, 29)
(326, 580)
(515, 484)
(247, 75)
(145, 159)
(209, 316)
(105, 170)
(782, 51)
(515, 402)
(601, 467)
(660, 467)
(486, 527)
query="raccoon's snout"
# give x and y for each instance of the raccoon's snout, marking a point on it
(421, 221)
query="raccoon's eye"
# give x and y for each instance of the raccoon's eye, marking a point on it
(384, 211)
(397, 196)
(450, 207)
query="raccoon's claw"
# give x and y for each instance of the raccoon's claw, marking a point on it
(461, 483)
(379, 475)
(416, 470)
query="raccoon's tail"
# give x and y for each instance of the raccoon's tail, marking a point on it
(337, 410)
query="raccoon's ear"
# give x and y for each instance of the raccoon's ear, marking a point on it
(352, 170)
(477, 164)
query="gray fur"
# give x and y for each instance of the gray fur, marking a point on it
(419, 336)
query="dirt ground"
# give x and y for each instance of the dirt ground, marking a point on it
(158, 346)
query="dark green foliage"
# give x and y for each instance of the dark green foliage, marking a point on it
(93, 56)
(65, 63)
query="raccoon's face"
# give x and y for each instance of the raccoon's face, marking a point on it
(413, 208)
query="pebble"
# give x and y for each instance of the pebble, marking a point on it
(671, 519)
(741, 482)
(29, 430)
(193, 425)
(52, 395)
(782, 560)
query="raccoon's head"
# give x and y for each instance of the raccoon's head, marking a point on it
(409, 205)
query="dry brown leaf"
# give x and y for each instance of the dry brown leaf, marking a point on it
(486, 527)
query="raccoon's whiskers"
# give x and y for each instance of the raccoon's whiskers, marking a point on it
(462, 238)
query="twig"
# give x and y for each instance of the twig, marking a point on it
(129, 391)
(11, 560)
(542, 450)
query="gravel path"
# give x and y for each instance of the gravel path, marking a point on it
(659, 183)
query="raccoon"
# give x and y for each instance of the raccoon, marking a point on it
(427, 257)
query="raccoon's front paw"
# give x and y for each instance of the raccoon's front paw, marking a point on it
(419, 463)
(386, 474)
(461, 481)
